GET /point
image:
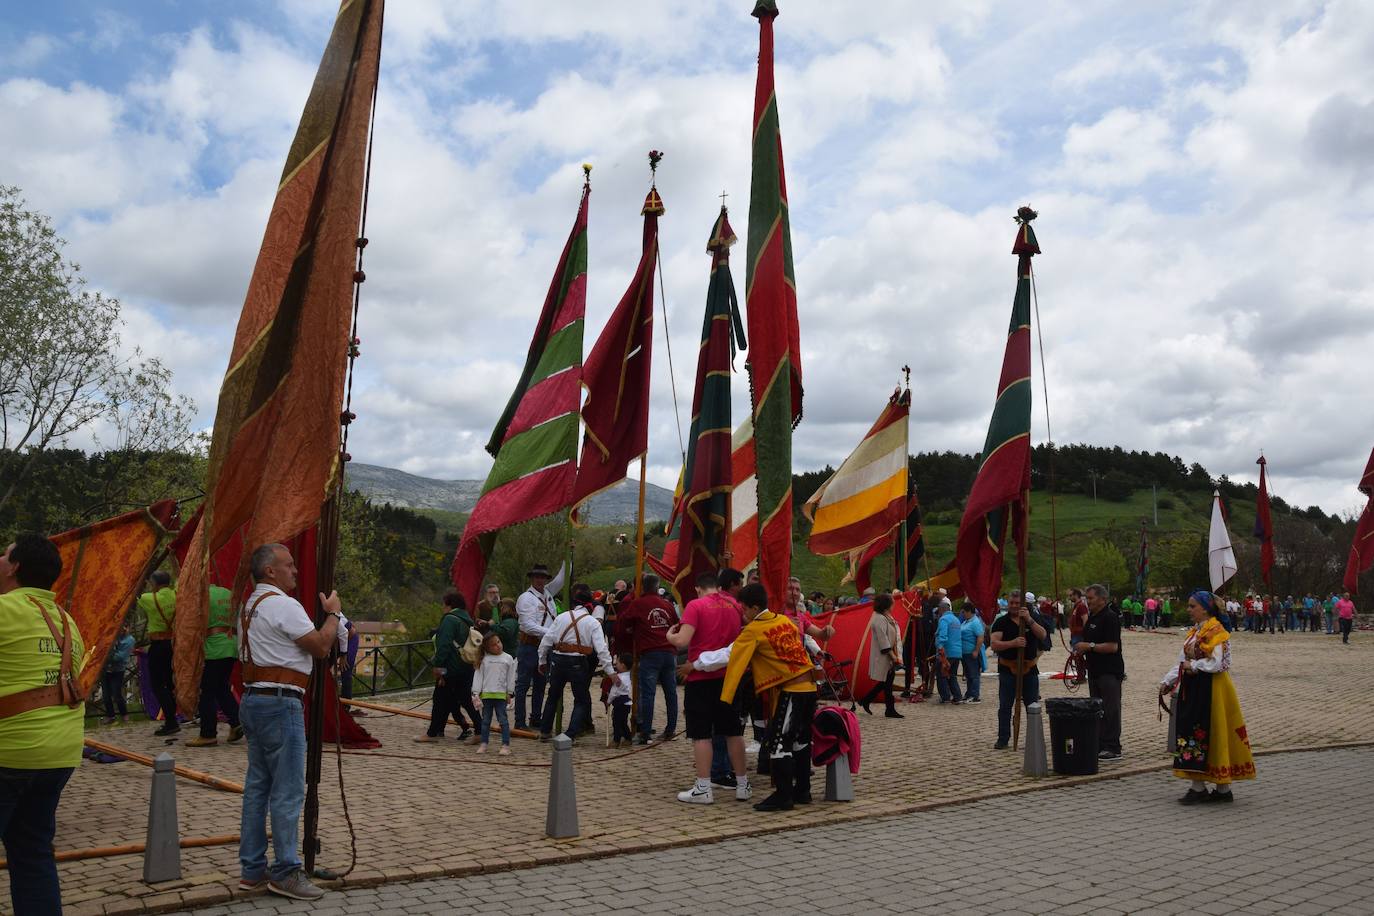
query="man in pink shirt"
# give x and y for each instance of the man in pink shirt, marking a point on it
(1345, 610)
(710, 621)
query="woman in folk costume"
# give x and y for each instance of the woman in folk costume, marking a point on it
(884, 659)
(1212, 744)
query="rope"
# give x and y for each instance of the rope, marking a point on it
(1049, 436)
(668, 343)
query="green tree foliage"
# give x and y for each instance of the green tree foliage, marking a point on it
(62, 371)
(1100, 562)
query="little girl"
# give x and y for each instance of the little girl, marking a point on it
(493, 682)
(619, 699)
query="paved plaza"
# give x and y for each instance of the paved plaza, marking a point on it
(429, 811)
(1112, 847)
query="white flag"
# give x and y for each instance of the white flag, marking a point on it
(1221, 559)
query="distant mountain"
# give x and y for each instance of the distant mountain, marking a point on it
(617, 506)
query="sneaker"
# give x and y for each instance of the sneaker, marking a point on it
(252, 885)
(667, 736)
(481, 748)
(199, 741)
(752, 747)
(1108, 755)
(465, 734)
(744, 791)
(505, 751)
(170, 728)
(697, 796)
(974, 700)
(641, 740)
(235, 733)
(724, 782)
(296, 886)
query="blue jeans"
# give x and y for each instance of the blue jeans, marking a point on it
(495, 708)
(527, 674)
(28, 821)
(275, 784)
(721, 767)
(949, 686)
(568, 670)
(1151, 619)
(1006, 698)
(657, 669)
(973, 677)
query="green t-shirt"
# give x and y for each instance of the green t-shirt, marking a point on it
(40, 739)
(160, 608)
(219, 645)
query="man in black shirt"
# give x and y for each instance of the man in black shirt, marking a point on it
(1018, 638)
(1101, 648)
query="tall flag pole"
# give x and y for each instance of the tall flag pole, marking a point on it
(702, 527)
(275, 457)
(1362, 547)
(775, 372)
(535, 441)
(1142, 568)
(1264, 527)
(1221, 559)
(1000, 498)
(867, 497)
(615, 416)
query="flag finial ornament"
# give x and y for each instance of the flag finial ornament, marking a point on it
(653, 204)
(1026, 245)
(765, 8)
(586, 174)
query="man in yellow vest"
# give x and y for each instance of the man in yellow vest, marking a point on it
(220, 655)
(159, 605)
(40, 717)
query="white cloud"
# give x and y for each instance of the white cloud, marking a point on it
(1204, 185)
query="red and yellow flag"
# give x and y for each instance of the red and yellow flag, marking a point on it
(274, 454)
(103, 566)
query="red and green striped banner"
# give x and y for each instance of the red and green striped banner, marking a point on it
(1000, 498)
(775, 373)
(535, 441)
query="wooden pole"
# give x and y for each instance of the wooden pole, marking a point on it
(133, 849)
(397, 711)
(214, 782)
(639, 534)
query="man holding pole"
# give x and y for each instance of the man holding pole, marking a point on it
(1017, 637)
(278, 645)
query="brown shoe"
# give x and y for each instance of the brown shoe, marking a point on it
(236, 734)
(202, 742)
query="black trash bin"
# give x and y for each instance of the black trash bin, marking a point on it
(1073, 734)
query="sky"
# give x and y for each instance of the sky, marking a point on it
(1204, 173)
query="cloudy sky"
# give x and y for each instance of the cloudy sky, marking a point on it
(1204, 174)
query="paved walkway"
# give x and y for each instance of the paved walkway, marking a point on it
(429, 811)
(1115, 847)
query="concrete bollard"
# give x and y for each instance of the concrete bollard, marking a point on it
(561, 820)
(1172, 749)
(1034, 763)
(162, 853)
(839, 786)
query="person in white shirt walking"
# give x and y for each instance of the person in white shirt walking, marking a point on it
(565, 651)
(278, 643)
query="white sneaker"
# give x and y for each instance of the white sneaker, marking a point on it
(744, 791)
(697, 796)
(751, 748)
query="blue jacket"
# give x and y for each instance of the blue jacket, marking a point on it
(970, 630)
(950, 636)
(118, 659)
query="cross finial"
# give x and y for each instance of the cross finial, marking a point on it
(723, 195)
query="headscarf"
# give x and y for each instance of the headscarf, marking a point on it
(1206, 599)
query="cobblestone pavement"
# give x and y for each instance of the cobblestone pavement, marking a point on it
(426, 811)
(1120, 846)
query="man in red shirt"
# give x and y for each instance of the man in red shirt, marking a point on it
(642, 630)
(711, 621)
(1078, 619)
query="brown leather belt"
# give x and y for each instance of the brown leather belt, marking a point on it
(159, 637)
(275, 674)
(28, 700)
(572, 648)
(218, 631)
(528, 640)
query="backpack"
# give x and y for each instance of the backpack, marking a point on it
(471, 649)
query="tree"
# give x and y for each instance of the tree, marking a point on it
(1100, 563)
(61, 367)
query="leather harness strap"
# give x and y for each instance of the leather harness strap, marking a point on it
(268, 673)
(573, 648)
(65, 692)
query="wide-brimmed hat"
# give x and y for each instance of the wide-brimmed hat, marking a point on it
(538, 569)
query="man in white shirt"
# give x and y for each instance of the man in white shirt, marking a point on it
(536, 611)
(278, 644)
(565, 652)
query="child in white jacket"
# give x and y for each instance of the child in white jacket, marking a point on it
(493, 682)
